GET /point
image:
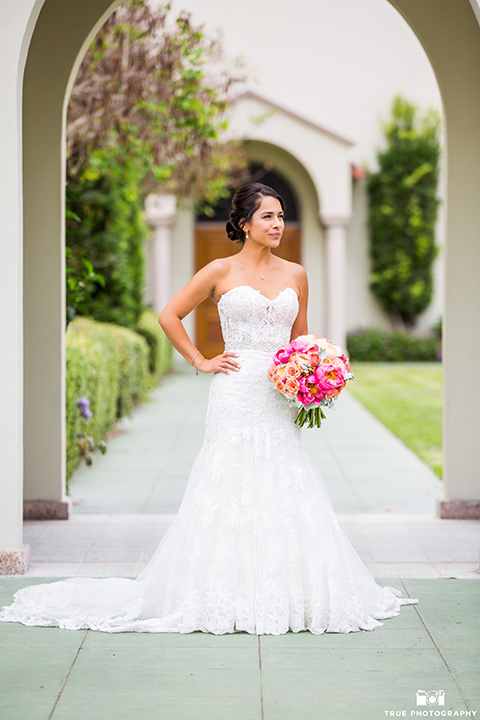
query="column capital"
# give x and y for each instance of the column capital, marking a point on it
(333, 219)
(160, 209)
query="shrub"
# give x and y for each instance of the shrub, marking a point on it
(107, 364)
(92, 372)
(403, 212)
(160, 348)
(76, 367)
(438, 328)
(374, 345)
(131, 351)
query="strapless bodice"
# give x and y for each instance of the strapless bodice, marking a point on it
(251, 321)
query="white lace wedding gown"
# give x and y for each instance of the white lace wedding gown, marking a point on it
(256, 545)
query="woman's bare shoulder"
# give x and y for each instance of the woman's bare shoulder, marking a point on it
(211, 275)
(297, 270)
(222, 263)
(216, 269)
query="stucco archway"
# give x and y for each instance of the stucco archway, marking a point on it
(450, 35)
(47, 84)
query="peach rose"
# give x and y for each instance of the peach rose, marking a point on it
(298, 365)
(292, 385)
(292, 370)
(331, 351)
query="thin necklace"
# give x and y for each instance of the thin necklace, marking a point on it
(262, 277)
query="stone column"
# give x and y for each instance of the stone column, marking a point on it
(161, 214)
(14, 556)
(336, 277)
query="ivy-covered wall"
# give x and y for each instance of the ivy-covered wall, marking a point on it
(403, 212)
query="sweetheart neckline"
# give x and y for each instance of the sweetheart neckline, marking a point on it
(271, 300)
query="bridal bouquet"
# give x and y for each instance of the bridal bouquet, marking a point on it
(311, 371)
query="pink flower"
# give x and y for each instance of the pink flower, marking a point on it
(283, 355)
(303, 385)
(305, 398)
(299, 346)
(328, 377)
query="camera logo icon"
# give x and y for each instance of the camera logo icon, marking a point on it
(430, 697)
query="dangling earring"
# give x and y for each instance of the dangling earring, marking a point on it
(246, 235)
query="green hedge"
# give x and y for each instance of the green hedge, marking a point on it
(110, 365)
(374, 345)
(130, 365)
(76, 367)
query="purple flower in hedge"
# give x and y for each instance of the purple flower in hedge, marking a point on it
(83, 404)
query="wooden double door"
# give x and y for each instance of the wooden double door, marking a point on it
(211, 242)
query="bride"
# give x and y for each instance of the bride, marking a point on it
(256, 545)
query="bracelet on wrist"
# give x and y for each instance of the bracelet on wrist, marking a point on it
(191, 361)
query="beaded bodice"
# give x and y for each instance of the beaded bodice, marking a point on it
(251, 321)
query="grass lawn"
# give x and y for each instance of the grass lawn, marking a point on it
(407, 398)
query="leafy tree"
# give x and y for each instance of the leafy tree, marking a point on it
(79, 287)
(403, 212)
(143, 115)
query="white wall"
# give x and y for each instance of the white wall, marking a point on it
(339, 63)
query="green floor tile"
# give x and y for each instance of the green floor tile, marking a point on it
(391, 661)
(26, 668)
(380, 638)
(34, 704)
(165, 671)
(356, 693)
(170, 707)
(170, 640)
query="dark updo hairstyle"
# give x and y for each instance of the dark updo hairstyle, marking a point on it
(245, 203)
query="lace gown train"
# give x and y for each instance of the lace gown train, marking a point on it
(256, 545)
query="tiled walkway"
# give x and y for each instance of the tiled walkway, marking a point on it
(385, 499)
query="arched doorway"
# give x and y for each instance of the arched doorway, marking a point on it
(211, 242)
